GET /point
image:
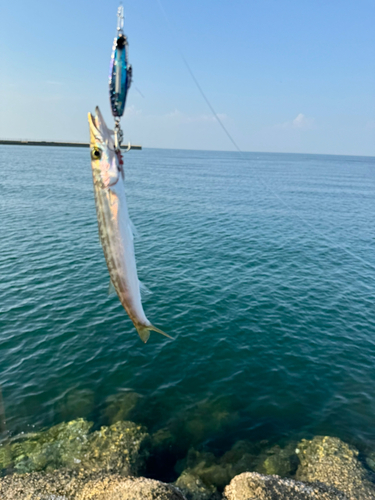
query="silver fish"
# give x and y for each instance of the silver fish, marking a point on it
(114, 224)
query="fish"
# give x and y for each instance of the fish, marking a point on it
(114, 224)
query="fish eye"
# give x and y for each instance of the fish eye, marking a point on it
(96, 153)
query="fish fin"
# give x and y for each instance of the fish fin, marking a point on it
(144, 332)
(111, 288)
(133, 229)
(144, 290)
(153, 328)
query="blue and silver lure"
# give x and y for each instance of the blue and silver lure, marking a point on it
(120, 75)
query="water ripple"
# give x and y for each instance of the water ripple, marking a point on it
(273, 322)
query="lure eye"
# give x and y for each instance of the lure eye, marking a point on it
(121, 42)
(96, 153)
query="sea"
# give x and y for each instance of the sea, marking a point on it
(260, 266)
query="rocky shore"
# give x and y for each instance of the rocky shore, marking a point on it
(70, 461)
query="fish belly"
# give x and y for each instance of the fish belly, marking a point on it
(117, 241)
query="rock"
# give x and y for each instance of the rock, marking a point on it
(195, 425)
(194, 488)
(243, 457)
(60, 446)
(120, 448)
(208, 418)
(75, 485)
(6, 458)
(370, 460)
(202, 475)
(59, 485)
(255, 486)
(129, 489)
(76, 403)
(194, 459)
(278, 461)
(333, 462)
(120, 406)
(163, 439)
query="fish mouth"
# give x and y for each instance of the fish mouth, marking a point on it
(99, 132)
(95, 124)
(95, 135)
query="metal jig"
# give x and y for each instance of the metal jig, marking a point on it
(120, 76)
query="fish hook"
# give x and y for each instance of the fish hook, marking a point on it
(119, 135)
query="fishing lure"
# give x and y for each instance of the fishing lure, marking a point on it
(120, 76)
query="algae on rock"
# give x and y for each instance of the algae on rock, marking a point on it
(60, 446)
(120, 448)
(276, 460)
(76, 403)
(201, 475)
(333, 462)
(120, 406)
(243, 456)
(194, 425)
(194, 488)
(204, 474)
(255, 486)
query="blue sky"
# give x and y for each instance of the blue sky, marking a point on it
(283, 75)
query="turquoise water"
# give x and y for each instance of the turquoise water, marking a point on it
(263, 269)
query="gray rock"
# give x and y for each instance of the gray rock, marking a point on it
(74, 485)
(59, 485)
(130, 489)
(255, 486)
(333, 462)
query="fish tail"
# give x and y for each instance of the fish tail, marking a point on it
(144, 332)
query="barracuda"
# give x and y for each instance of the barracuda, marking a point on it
(114, 223)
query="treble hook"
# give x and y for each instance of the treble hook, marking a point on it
(119, 135)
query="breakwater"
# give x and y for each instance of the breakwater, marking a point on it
(6, 142)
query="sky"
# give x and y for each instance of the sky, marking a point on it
(283, 75)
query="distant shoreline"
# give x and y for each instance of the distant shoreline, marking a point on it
(58, 144)
(138, 147)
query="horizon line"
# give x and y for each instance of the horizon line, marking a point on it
(27, 142)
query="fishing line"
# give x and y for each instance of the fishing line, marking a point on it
(242, 155)
(139, 92)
